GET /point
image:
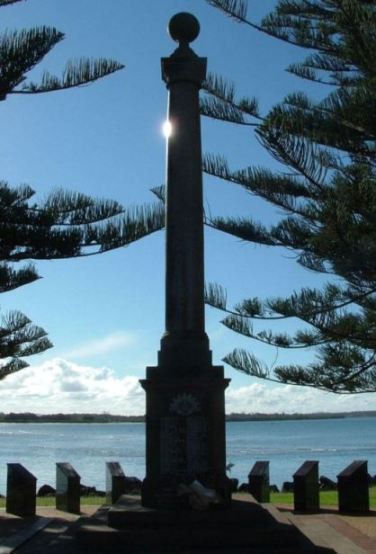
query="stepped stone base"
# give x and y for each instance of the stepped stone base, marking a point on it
(244, 527)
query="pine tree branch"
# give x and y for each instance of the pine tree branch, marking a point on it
(218, 109)
(237, 10)
(371, 363)
(11, 279)
(89, 240)
(294, 151)
(67, 225)
(221, 103)
(19, 337)
(78, 73)
(245, 362)
(8, 2)
(160, 192)
(243, 327)
(244, 229)
(21, 51)
(78, 209)
(332, 299)
(12, 366)
(282, 191)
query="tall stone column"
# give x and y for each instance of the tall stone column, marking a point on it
(185, 417)
(183, 72)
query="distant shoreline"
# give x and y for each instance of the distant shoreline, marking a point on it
(108, 418)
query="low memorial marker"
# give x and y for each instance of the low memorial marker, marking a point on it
(258, 482)
(67, 488)
(306, 487)
(21, 491)
(115, 482)
(353, 487)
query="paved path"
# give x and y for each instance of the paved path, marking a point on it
(50, 531)
(53, 531)
(346, 534)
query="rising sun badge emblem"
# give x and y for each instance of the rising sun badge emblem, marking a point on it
(184, 404)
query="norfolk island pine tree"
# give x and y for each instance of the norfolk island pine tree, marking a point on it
(64, 225)
(326, 189)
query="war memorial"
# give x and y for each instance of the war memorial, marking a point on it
(185, 413)
(186, 503)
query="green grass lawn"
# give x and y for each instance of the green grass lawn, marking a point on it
(327, 498)
(50, 501)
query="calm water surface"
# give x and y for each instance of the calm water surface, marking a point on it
(286, 444)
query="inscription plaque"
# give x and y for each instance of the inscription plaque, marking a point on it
(169, 444)
(197, 444)
(184, 445)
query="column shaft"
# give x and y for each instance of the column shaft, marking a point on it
(184, 220)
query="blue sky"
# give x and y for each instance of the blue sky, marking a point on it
(105, 314)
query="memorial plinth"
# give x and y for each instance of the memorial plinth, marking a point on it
(67, 488)
(259, 481)
(115, 482)
(353, 487)
(185, 414)
(306, 487)
(21, 491)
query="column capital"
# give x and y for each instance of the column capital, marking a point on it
(184, 64)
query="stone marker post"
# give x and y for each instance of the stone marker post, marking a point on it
(185, 416)
(115, 482)
(353, 487)
(21, 491)
(68, 483)
(306, 487)
(259, 481)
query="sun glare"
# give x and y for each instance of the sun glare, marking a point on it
(167, 128)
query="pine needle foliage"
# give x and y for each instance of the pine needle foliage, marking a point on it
(326, 189)
(8, 2)
(65, 224)
(236, 9)
(21, 51)
(220, 102)
(76, 73)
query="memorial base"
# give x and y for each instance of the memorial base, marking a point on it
(244, 527)
(185, 434)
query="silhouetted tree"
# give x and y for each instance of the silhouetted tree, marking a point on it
(327, 191)
(65, 224)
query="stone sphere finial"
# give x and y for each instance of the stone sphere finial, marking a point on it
(184, 27)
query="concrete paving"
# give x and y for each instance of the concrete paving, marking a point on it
(346, 534)
(54, 532)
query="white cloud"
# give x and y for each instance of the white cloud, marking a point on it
(63, 386)
(103, 345)
(60, 385)
(259, 397)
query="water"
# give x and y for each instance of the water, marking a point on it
(286, 444)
